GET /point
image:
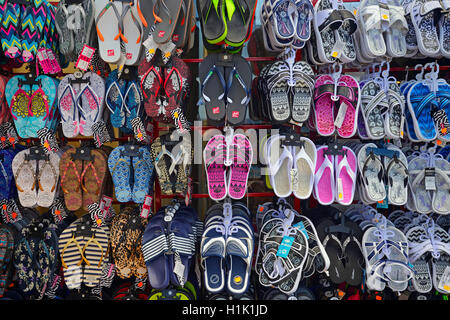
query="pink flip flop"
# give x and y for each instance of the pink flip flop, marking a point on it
(324, 184)
(346, 118)
(240, 168)
(345, 176)
(323, 105)
(214, 157)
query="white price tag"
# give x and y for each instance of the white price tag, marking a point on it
(341, 115)
(340, 189)
(444, 284)
(430, 179)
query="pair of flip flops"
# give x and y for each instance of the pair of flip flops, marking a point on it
(119, 30)
(225, 87)
(165, 89)
(83, 172)
(172, 156)
(334, 26)
(291, 167)
(32, 105)
(124, 100)
(170, 29)
(383, 29)
(36, 178)
(429, 252)
(336, 105)
(36, 256)
(227, 248)
(284, 92)
(428, 111)
(83, 248)
(382, 111)
(127, 229)
(386, 254)
(168, 245)
(131, 169)
(80, 102)
(342, 242)
(232, 151)
(27, 27)
(383, 174)
(289, 249)
(335, 176)
(286, 23)
(429, 196)
(74, 22)
(226, 21)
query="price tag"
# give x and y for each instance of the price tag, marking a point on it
(85, 58)
(444, 283)
(341, 115)
(430, 179)
(340, 189)
(146, 207)
(300, 226)
(285, 247)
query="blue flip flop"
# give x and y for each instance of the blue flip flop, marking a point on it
(114, 99)
(143, 173)
(120, 168)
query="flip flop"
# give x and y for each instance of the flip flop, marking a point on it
(10, 30)
(324, 179)
(25, 176)
(303, 90)
(213, 20)
(213, 88)
(280, 162)
(29, 33)
(397, 175)
(323, 105)
(373, 106)
(304, 165)
(239, 16)
(70, 171)
(18, 100)
(94, 252)
(132, 32)
(238, 90)
(214, 157)
(109, 27)
(143, 172)
(166, 16)
(119, 166)
(346, 168)
(349, 98)
(372, 172)
(240, 167)
(48, 180)
(91, 95)
(92, 183)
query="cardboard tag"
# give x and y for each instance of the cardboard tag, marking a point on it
(341, 115)
(338, 49)
(444, 283)
(146, 207)
(151, 47)
(340, 189)
(179, 270)
(55, 67)
(402, 122)
(285, 247)
(300, 226)
(85, 58)
(42, 57)
(430, 179)
(383, 204)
